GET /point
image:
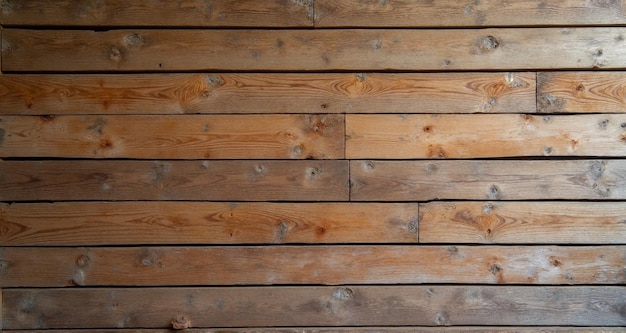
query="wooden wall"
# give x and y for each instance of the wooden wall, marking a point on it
(313, 165)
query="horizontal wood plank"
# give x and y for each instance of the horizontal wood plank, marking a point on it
(329, 265)
(360, 329)
(194, 13)
(488, 180)
(466, 13)
(229, 93)
(119, 223)
(307, 306)
(523, 222)
(313, 50)
(567, 92)
(479, 136)
(174, 137)
(302, 180)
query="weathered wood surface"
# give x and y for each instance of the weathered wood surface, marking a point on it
(313, 50)
(377, 329)
(267, 93)
(477, 136)
(466, 13)
(298, 180)
(523, 222)
(572, 92)
(487, 180)
(307, 306)
(328, 265)
(178, 13)
(174, 137)
(119, 223)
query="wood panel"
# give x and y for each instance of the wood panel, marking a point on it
(329, 265)
(560, 92)
(523, 222)
(313, 50)
(377, 329)
(487, 180)
(174, 137)
(476, 136)
(119, 223)
(466, 13)
(304, 180)
(194, 13)
(267, 93)
(306, 306)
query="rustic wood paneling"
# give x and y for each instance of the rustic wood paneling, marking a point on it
(267, 93)
(187, 13)
(487, 180)
(377, 329)
(331, 265)
(567, 92)
(119, 223)
(476, 136)
(466, 13)
(306, 306)
(313, 50)
(174, 137)
(174, 180)
(523, 222)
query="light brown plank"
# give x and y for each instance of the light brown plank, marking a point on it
(378, 329)
(315, 50)
(304, 180)
(560, 92)
(329, 265)
(187, 13)
(323, 306)
(267, 93)
(523, 222)
(476, 136)
(487, 180)
(466, 13)
(174, 137)
(108, 223)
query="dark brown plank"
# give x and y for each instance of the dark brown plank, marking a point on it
(307, 306)
(174, 137)
(482, 135)
(187, 13)
(559, 92)
(330, 265)
(487, 180)
(303, 180)
(466, 13)
(523, 222)
(314, 50)
(267, 93)
(119, 223)
(378, 329)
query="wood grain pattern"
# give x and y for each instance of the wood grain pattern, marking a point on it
(119, 223)
(307, 306)
(377, 329)
(477, 136)
(174, 137)
(523, 222)
(466, 13)
(303, 180)
(487, 180)
(267, 93)
(312, 50)
(566, 92)
(178, 13)
(329, 265)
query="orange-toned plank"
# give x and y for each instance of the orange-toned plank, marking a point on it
(267, 93)
(523, 222)
(119, 223)
(487, 180)
(174, 137)
(570, 92)
(187, 13)
(302, 180)
(307, 306)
